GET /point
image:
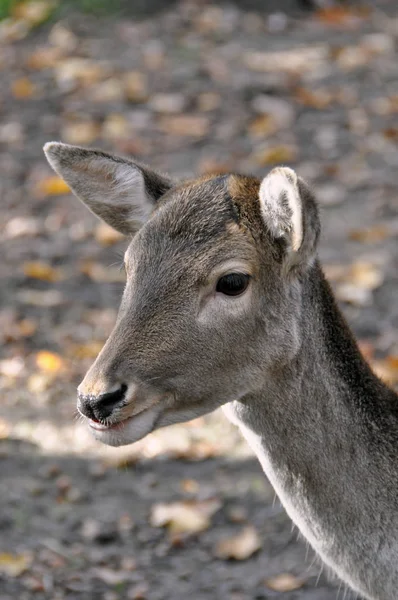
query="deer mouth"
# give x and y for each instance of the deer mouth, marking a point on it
(127, 430)
(98, 426)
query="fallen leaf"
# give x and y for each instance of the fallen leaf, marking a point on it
(262, 126)
(90, 349)
(285, 582)
(22, 88)
(34, 11)
(110, 90)
(356, 282)
(280, 111)
(106, 235)
(42, 271)
(210, 165)
(63, 38)
(365, 275)
(298, 60)
(13, 565)
(208, 101)
(5, 429)
(350, 58)
(110, 576)
(21, 226)
(12, 367)
(80, 132)
(185, 125)
(189, 486)
(275, 155)
(51, 186)
(337, 15)
(135, 86)
(79, 72)
(49, 362)
(352, 294)
(240, 546)
(386, 369)
(115, 127)
(98, 272)
(38, 383)
(184, 517)
(43, 58)
(41, 297)
(167, 103)
(367, 349)
(318, 99)
(370, 235)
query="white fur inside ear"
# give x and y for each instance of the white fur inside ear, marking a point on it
(127, 185)
(281, 205)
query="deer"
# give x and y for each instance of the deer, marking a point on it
(226, 305)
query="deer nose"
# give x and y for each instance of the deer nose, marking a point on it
(99, 408)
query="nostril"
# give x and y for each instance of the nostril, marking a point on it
(109, 399)
(101, 407)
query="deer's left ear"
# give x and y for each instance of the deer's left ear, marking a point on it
(119, 191)
(290, 214)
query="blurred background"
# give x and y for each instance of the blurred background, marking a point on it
(188, 87)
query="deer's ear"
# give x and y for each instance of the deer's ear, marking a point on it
(120, 192)
(290, 214)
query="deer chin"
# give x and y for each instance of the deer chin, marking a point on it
(129, 430)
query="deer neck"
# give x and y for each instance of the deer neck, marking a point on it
(318, 429)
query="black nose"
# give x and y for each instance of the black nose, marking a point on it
(99, 408)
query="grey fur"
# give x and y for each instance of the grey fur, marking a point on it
(280, 358)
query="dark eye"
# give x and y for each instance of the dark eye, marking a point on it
(233, 284)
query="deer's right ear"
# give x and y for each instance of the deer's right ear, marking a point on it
(120, 192)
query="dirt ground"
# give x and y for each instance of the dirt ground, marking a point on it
(195, 88)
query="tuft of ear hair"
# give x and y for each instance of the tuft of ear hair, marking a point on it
(121, 192)
(290, 213)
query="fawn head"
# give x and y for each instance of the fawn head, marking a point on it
(212, 300)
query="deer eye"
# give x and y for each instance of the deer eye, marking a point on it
(233, 284)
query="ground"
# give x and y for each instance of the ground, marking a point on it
(196, 88)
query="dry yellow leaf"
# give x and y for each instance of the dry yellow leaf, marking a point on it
(49, 362)
(314, 98)
(189, 486)
(22, 88)
(80, 132)
(135, 86)
(208, 101)
(5, 429)
(51, 186)
(184, 517)
(98, 272)
(366, 275)
(285, 582)
(13, 565)
(43, 58)
(185, 125)
(27, 327)
(115, 126)
(336, 15)
(42, 271)
(370, 235)
(34, 12)
(89, 350)
(262, 126)
(275, 155)
(40, 382)
(106, 235)
(240, 546)
(83, 72)
(386, 369)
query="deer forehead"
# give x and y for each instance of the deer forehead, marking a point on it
(198, 224)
